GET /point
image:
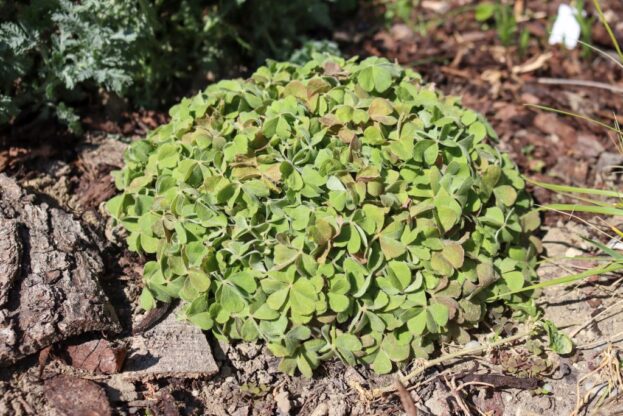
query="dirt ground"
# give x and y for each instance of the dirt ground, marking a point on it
(462, 57)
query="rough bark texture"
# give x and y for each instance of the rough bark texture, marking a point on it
(49, 271)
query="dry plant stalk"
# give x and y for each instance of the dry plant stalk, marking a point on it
(406, 380)
(456, 389)
(606, 380)
(405, 399)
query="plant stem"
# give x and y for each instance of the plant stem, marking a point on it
(448, 357)
(564, 280)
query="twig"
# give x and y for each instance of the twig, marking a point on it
(430, 379)
(405, 399)
(577, 218)
(475, 383)
(612, 287)
(616, 337)
(581, 83)
(25, 405)
(405, 380)
(593, 319)
(44, 355)
(606, 54)
(151, 318)
(455, 392)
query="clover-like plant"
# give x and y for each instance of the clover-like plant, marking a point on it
(336, 209)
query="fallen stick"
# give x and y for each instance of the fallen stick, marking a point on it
(405, 398)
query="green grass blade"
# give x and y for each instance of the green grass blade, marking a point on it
(603, 20)
(612, 253)
(593, 209)
(592, 201)
(576, 190)
(564, 280)
(602, 53)
(568, 113)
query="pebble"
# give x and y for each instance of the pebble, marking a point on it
(321, 410)
(573, 252)
(282, 399)
(472, 344)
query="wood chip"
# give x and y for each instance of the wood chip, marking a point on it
(44, 355)
(172, 348)
(552, 124)
(166, 405)
(533, 64)
(97, 356)
(73, 396)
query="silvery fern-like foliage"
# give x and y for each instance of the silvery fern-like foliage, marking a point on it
(57, 54)
(97, 40)
(16, 37)
(15, 43)
(58, 48)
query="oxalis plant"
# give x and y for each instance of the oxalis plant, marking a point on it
(339, 208)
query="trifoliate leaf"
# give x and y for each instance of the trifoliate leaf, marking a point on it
(348, 342)
(203, 320)
(505, 194)
(392, 248)
(284, 255)
(453, 254)
(382, 364)
(230, 299)
(303, 297)
(395, 350)
(448, 209)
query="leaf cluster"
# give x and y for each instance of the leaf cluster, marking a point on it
(339, 208)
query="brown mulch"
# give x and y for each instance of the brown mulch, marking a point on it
(444, 42)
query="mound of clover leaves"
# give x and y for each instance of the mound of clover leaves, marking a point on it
(336, 209)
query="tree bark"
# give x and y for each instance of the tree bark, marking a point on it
(50, 267)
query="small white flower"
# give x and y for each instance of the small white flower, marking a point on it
(566, 27)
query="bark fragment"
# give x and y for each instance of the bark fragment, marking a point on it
(73, 396)
(172, 348)
(97, 356)
(49, 271)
